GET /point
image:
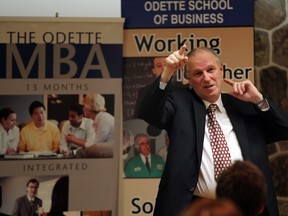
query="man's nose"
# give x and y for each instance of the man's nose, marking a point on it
(206, 76)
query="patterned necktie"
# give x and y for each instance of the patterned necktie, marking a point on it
(220, 150)
(147, 164)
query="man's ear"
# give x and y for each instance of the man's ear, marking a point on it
(185, 72)
(221, 68)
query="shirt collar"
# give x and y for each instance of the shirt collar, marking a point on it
(218, 102)
(144, 157)
(82, 125)
(41, 128)
(2, 130)
(30, 199)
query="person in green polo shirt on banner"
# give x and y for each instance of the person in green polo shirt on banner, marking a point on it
(145, 164)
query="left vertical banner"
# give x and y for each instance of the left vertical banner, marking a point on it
(62, 79)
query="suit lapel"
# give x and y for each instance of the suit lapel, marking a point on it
(238, 124)
(235, 118)
(200, 117)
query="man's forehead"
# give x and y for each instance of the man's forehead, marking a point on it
(38, 109)
(33, 184)
(143, 140)
(73, 113)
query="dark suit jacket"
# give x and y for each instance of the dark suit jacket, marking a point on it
(22, 206)
(182, 113)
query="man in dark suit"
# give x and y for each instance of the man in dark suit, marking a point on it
(29, 204)
(248, 120)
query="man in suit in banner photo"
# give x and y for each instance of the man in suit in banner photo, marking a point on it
(29, 204)
(145, 164)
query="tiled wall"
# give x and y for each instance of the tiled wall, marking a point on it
(271, 71)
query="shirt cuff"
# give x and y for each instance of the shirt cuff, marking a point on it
(162, 85)
(263, 102)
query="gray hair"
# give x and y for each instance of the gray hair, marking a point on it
(95, 102)
(197, 50)
(137, 137)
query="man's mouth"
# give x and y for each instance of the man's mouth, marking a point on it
(209, 86)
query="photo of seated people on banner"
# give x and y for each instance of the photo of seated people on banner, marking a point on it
(57, 126)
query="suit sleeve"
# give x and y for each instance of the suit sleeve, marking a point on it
(15, 211)
(276, 123)
(155, 106)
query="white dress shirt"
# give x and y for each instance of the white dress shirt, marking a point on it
(85, 132)
(9, 139)
(206, 185)
(104, 127)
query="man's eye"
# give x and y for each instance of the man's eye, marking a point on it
(211, 70)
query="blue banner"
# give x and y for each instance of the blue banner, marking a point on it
(192, 13)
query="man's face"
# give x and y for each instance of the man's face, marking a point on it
(38, 116)
(158, 66)
(204, 73)
(144, 145)
(32, 189)
(75, 119)
(10, 122)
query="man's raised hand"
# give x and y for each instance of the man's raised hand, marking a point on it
(173, 62)
(244, 90)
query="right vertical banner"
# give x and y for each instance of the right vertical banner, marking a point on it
(153, 30)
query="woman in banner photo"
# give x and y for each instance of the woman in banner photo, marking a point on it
(94, 108)
(246, 120)
(103, 124)
(9, 131)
